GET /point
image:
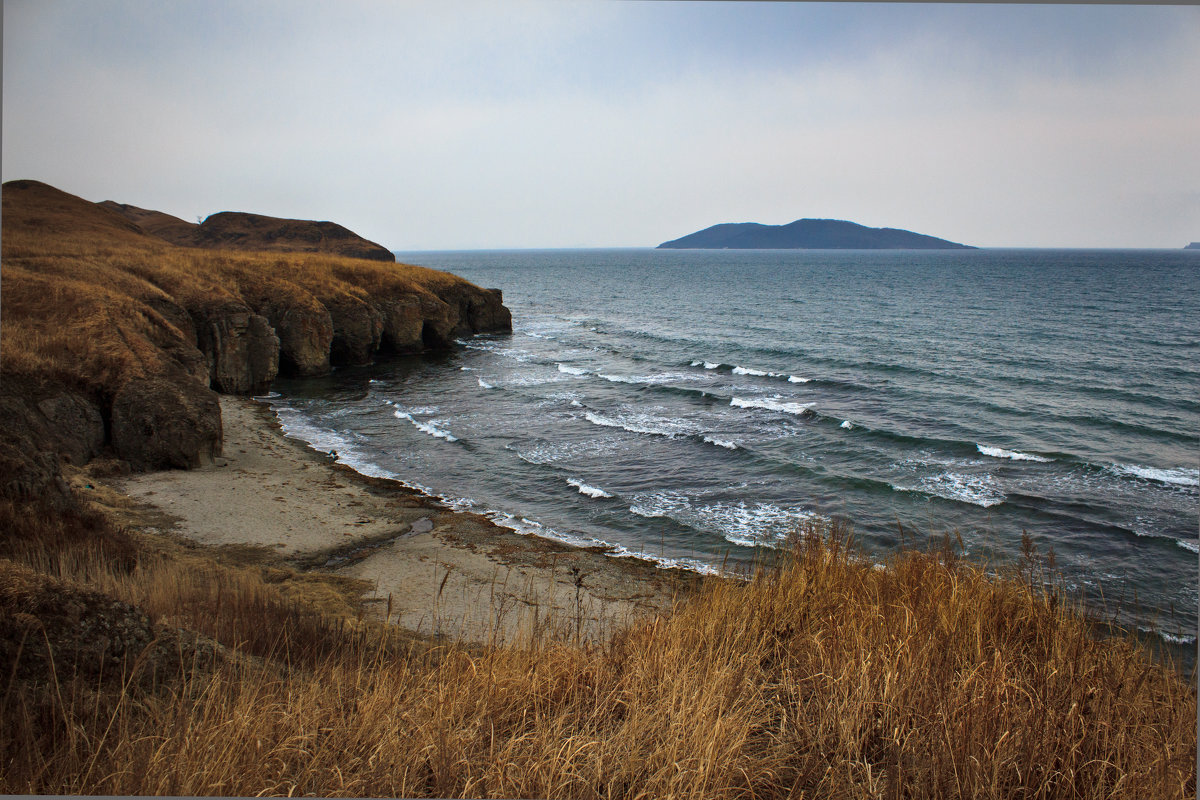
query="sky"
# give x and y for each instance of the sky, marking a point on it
(570, 123)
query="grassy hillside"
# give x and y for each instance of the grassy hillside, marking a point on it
(115, 340)
(135, 664)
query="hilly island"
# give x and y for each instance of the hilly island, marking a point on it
(808, 234)
(187, 608)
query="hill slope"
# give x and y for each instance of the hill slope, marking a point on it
(238, 230)
(808, 234)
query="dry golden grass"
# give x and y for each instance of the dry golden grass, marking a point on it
(821, 677)
(93, 314)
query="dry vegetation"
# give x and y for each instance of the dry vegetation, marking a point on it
(821, 677)
(92, 315)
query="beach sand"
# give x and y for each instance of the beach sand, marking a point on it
(440, 571)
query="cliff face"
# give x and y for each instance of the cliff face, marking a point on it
(116, 341)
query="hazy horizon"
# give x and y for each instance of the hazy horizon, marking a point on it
(544, 125)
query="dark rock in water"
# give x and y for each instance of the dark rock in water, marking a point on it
(1193, 246)
(477, 310)
(241, 350)
(402, 323)
(808, 234)
(357, 330)
(487, 314)
(163, 423)
(305, 332)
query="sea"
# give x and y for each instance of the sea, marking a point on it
(696, 407)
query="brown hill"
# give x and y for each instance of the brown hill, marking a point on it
(115, 340)
(237, 230)
(35, 210)
(155, 223)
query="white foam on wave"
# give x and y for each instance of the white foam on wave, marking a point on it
(750, 371)
(797, 379)
(296, 426)
(979, 490)
(721, 443)
(643, 423)
(484, 384)
(546, 452)
(999, 452)
(425, 427)
(1180, 476)
(1182, 638)
(741, 523)
(590, 491)
(649, 380)
(772, 404)
(847, 424)
(530, 379)
(1188, 544)
(572, 370)
(422, 410)
(705, 364)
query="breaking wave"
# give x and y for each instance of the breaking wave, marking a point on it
(997, 452)
(773, 404)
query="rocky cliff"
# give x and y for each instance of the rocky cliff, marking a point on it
(115, 340)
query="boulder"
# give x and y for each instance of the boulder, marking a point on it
(476, 310)
(487, 313)
(241, 350)
(163, 423)
(74, 425)
(28, 472)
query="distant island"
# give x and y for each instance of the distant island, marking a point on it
(808, 234)
(1193, 246)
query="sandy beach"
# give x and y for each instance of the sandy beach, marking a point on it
(440, 571)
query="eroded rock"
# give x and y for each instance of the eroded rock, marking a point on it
(357, 330)
(241, 350)
(163, 423)
(305, 337)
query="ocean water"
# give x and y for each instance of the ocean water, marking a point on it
(691, 406)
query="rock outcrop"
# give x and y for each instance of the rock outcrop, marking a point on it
(158, 423)
(357, 330)
(241, 351)
(305, 332)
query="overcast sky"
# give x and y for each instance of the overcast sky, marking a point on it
(445, 125)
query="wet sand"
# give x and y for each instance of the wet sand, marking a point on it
(439, 571)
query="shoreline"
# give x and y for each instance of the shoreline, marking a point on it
(435, 571)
